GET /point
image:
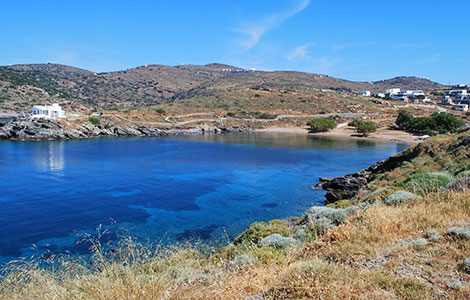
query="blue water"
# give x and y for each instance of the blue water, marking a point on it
(163, 189)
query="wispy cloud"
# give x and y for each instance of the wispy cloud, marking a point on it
(313, 63)
(299, 53)
(254, 31)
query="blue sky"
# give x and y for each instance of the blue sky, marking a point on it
(355, 40)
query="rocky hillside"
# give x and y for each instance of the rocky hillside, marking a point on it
(24, 85)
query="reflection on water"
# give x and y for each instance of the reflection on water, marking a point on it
(49, 156)
(302, 141)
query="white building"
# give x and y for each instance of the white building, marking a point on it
(461, 107)
(456, 92)
(53, 111)
(391, 92)
(446, 99)
(365, 93)
(380, 95)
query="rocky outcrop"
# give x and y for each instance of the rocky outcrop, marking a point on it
(43, 129)
(347, 186)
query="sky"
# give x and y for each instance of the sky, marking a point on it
(354, 40)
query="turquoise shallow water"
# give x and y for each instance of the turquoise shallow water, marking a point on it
(164, 189)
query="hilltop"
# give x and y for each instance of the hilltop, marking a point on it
(24, 85)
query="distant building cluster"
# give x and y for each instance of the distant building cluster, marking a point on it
(459, 97)
(414, 96)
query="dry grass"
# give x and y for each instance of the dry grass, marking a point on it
(368, 257)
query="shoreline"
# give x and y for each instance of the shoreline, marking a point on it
(347, 132)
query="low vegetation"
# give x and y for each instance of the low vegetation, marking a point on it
(93, 120)
(438, 123)
(364, 127)
(322, 125)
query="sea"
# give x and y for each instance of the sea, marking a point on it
(210, 188)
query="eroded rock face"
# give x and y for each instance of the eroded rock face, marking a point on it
(43, 129)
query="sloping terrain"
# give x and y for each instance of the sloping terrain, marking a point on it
(24, 85)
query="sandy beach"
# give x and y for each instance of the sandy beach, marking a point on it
(344, 131)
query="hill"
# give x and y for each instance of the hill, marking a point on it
(24, 85)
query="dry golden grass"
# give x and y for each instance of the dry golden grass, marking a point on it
(368, 257)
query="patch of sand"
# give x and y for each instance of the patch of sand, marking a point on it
(344, 131)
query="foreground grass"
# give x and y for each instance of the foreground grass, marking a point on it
(368, 257)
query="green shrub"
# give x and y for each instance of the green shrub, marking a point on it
(321, 125)
(355, 123)
(160, 111)
(267, 116)
(278, 241)
(366, 127)
(433, 235)
(259, 230)
(461, 233)
(419, 242)
(424, 183)
(94, 121)
(399, 197)
(380, 194)
(440, 122)
(464, 174)
(340, 204)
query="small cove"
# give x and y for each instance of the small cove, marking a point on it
(164, 189)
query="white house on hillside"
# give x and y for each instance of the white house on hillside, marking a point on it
(391, 92)
(53, 111)
(365, 93)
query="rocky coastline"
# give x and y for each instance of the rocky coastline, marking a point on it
(44, 129)
(347, 186)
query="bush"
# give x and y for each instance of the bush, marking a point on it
(460, 184)
(259, 230)
(276, 240)
(380, 194)
(94, 121)
(440, 122)
(433, 235)
(267, 116)
(160, 111)
(403, 120)
(355, 123)
(366, 127)
(419, 242)
(399, 197)
(322, 125)
(424, 183)
(460, 233)
(464, 174)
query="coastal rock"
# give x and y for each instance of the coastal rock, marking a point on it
(348, 186)
(44, 129)
(126, 131)
(344, 187)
